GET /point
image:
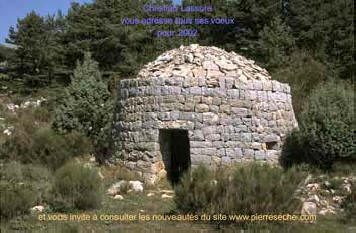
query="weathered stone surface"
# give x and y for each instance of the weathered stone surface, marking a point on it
(133, 186)
(260, 155)
(248, 153)
(309, 208)
(234, 153)
(225, 160)
(202, 108)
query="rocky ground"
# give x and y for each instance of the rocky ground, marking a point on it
(7, 107)
(324, 195)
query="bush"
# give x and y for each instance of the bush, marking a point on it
(87, 107)
(44, 146)
(76, 187)
(197, 190)
(327, 129)
(16, 199)
(22, 187)
(54, 150)
(303, 73)
(247, 189)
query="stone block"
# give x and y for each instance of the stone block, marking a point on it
(256, 146)
(199, 158)
(229, 83)
(195, 151)
(213, 108)
(208, 151)
(207, 100)
(202, 108)
(234, 153)
(233, 93)
(209, 130)
(200, 144)
(262, 96)
(221, 92)
(196, 135)
(188, 107)
(272, 155)
(260, 155)
(240, 84)
(247, 121)
(241, 112)
(195, 90)
(222, 82)
(175, 115)
(164, 116)
(258, 85)
(229, 129)
(248, 153)
(189, 116)
(267, 85)
(213, 137)
(251, 95)
(216, 101)
(225, 108)
(206, 91)
(210, 118)
(275, 85)
(225, 160)
(271, 138)
(221, 152)
(218, 144)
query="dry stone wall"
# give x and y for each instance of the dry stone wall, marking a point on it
(228, 120)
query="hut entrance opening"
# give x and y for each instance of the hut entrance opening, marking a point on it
(175, 149)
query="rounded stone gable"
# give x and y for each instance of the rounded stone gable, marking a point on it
(198, 104)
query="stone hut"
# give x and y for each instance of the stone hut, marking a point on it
(198, 104)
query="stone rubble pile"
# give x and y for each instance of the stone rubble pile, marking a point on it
(320, 196)
(125, 186)
(8, 130)
(203, 62)
(36, 103)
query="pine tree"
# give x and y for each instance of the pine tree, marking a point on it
(275, 44)
(38, 52)
(87, 107)
(326, 29)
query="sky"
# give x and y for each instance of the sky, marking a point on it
(11, 10)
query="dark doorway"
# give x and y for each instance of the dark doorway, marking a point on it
(175, 151)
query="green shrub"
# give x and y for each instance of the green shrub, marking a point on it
(247, 189)
(16, 198)
(303, 73)
(22, 187)
(76, 187)
(87, 107)
(197, 190)
(327, 129)
(43, 145)
(54, 150)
